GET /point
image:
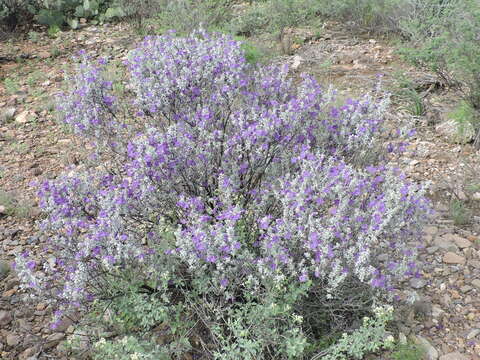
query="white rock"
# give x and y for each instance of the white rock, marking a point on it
(454, 133)
(22, 118)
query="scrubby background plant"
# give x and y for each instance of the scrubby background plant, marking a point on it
(230, 212)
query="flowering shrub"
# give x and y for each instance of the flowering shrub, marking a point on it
(228, 192)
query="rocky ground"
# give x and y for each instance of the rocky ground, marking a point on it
(446, 314)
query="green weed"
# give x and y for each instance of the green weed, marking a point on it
(408, 352)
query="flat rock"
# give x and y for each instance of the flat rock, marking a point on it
(454, 133)
(452, 258)
(7, 114)
(417, 283)
(445, 243)
(462, 243)
(454, 356)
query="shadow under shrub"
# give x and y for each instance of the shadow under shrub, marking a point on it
(231, 213)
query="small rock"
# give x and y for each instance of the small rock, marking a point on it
(452, 258)
(297, 61)
(22, 118)
(476, 283)
(5, 318)
(13, 340)
(454, 356)
(436, 311)
(430, 352)
(3, 210)
(432, 249)
(473, 334)
(417, 283)
(465, 288)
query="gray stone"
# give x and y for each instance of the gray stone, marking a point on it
(473, 334)
(432, 249)
(13, 339)
(445, 243)
(476, 283)
(417, 283)
(454, 356)
(5, 318)
(451, 130)
(430, 352)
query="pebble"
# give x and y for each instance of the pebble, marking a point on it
(3, 210)
(452, 258)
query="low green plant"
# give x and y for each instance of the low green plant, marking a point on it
(184, 16)
(407, 352)
(460, 212)
(13, 206)
(274, 16)
(447, 43)
(53, 31)
(465, 116)
(404, 89)
(11, 85)
(34, 36)
(368, 338)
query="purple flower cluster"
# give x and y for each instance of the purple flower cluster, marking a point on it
(230, 173)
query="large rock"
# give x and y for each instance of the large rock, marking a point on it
(455, 133)
(430, 352)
